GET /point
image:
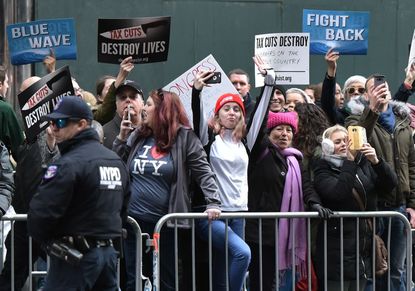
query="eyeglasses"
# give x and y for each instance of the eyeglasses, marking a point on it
(352, 90)
(62, 122)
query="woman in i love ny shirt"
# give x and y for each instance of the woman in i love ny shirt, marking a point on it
(159, 155)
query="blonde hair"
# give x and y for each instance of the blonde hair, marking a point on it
(238, 132)
(329, 131)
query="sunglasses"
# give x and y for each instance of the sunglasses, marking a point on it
(62, 122)
(352, 90)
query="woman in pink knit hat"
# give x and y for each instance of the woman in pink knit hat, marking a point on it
(278, 183)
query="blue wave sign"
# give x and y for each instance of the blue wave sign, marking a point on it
(31, 42)
(346, 31)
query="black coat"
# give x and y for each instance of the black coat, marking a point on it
(85, 192)
(335, 186)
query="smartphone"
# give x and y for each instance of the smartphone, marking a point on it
(357, 135)
(216, 78)
(378, 80)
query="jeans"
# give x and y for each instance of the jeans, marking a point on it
(96, 271)
(397, 250)
(239, 254)
(167, 267)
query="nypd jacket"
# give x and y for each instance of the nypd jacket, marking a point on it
(84, 193)
(6, 180)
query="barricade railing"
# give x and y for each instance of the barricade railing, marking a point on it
(34, 273)
(175, 219)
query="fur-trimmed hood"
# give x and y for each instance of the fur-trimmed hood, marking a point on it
(357, 105)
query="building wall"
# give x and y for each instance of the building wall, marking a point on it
(227, 29)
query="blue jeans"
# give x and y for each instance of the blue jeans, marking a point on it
(96, 271)
(239, 254)
(167, 267)
(397, 250)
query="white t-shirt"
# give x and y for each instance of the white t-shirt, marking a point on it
(229, 162)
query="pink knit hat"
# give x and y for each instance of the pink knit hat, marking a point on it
(277, 118)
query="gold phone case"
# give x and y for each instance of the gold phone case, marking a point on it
(357, 134)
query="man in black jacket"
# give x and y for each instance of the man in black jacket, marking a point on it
(80, 205)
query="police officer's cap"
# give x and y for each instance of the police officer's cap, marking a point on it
(71, 107)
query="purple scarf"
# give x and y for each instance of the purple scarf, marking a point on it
(292, 201)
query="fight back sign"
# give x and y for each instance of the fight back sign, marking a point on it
(345, 31)
(31, 42)
(41, 98)
(145, 39)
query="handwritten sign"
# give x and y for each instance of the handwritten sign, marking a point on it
(411, 59)
(145, 39)
(287, 54)
(31, 42)
(183, 85)
(346, 31)
(40, 99)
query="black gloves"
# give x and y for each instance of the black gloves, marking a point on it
(323, 212)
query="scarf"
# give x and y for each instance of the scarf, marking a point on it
(336, 160)
(387, 119)
(292, 201)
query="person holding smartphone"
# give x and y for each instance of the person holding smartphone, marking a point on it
(340, 175)
(387, 125)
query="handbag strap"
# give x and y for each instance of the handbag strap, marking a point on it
(361, 206)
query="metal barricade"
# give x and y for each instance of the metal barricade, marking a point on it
(34, 273)
(373, 216)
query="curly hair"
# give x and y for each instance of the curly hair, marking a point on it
(312, 121)
(169, 116)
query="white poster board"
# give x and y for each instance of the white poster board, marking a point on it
(411, 59)
(182, 86)
(288, 54)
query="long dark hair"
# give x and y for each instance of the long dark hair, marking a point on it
(312, 121)
(169, 116)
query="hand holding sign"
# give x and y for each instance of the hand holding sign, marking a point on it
(126, 67)
(260, 64)
(410, 74)
(50, 62)
(331, 59)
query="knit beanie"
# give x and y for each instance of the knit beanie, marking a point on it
(278, 118)
(353, 79)
(229, 97)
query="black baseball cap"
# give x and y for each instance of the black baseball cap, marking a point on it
(70, 107)
(133, 85)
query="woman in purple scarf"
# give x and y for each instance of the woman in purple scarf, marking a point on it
(276, 183)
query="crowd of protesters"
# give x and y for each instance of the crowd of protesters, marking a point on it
(287, 151)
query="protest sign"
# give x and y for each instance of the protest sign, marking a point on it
(145, 39)
(411, 59)
(346, 31)
(31, 42)
(182, 86)
(40, 99)
(287, 54)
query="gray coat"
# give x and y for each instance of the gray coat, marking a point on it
(189, 158)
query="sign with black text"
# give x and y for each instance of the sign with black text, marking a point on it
(145, 39)
(286, 53)
(31, 42)
(41, 98)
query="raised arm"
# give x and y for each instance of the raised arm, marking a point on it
(328, 99)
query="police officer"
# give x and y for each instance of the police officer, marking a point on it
(80, 205)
